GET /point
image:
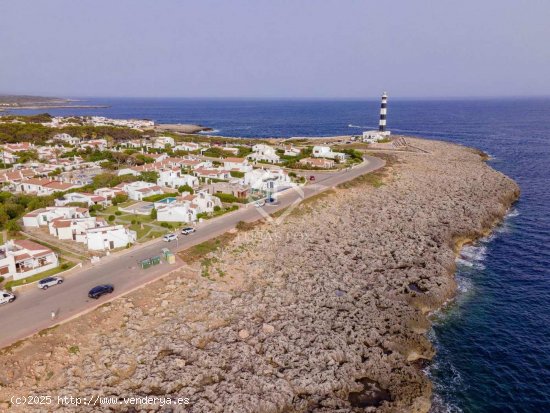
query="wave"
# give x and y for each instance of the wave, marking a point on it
(210, 132)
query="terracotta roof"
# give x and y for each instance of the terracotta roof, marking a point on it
(30, 245)
(239, 160)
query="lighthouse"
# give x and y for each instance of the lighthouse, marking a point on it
(383, 112)
(372, 136)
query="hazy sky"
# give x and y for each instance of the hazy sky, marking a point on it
(275, 48)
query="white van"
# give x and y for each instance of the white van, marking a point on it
(6, 297)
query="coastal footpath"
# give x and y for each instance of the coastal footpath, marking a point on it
(323, 308)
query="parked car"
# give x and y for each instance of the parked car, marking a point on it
(100, 290)
(47, 282)
(6, 297)
(170, 237)
(259, 203)
(188, 230)
(312, 178)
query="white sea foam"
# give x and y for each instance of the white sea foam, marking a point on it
(210, 132)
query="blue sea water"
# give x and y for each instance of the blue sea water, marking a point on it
(493, 341)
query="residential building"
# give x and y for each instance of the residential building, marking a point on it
(326, 152)
(237, 164)
(234, 188)
(110, 237)
(82, 197)
(212, 173)
(185, 208)
(187, 146)
(318, 162)
(109, 193)
(174, 178)
(24, 258)
(269, 180)
(65, 137)
(44, 216)
(264, 153)
(162, 141)
(291, 150)
(74, 229)
(43, 186)
(140, 189)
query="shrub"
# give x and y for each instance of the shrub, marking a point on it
(12, 226)
(217, 208)
(186, 188)
(133, 222)
(118, 213)
(65, 266)
(153, 214)
(1, 279)
(119, 198)
(166, 225)
(111, 218)
(237, 174)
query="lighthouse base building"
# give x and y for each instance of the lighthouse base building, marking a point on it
(372, 136)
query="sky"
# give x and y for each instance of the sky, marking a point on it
(275, 48)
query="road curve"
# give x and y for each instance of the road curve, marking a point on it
(31, 311)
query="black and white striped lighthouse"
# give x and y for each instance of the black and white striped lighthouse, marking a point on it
(383, 112)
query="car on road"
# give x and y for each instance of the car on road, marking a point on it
(100, 290)
(170, 237)
(259, 204)
(312, 178)
(188, 230)
(6, 297)
(47, 282)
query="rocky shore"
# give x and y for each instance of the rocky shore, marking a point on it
(324, 311)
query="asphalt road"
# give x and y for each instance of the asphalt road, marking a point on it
(31, 311)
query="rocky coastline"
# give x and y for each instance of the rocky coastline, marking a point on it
(324, 311)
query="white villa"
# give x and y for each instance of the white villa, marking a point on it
(185, 208)
(187, 146)
(237, 164)
(264, 153)
(44, 216)
(65, 137)
(140, 189)
(82, 197)
(109, 237)
(23, 258)
(271, 180)
(43, 186)
(174, 178)
(162, 141)
(326, 152)
(74, 229)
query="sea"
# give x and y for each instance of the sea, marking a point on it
(493, 340)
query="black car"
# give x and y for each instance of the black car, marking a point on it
(99, 290)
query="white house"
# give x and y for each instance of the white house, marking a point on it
(237, 164)
(212, 173)
(162, 141)
(109, 193)
(108, 238)
(42, 186)
(264, 153)
(65, 137)
(187, 146)
(99, 144)
(23, 258)
(82, 197)
(270, 180)
(185, 208)
(74, 229)
(44, 216)
(140, 189)
(174, 178)
(326, 152)
(291, 150)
